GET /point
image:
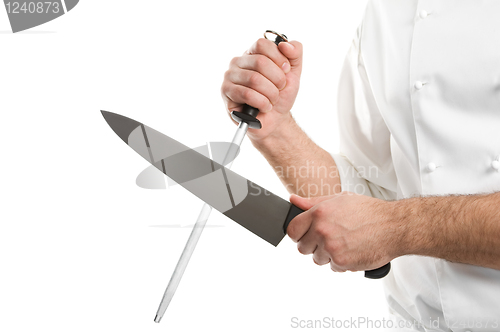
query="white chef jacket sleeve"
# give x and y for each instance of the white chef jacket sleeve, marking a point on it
(364, 163)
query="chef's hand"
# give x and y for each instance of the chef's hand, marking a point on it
(351, 232)
(265, 77)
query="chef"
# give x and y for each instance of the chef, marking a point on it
(417, 179)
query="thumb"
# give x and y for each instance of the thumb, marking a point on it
(293, 51)
(305, 203)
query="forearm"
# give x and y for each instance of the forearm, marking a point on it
(464, 229)
(302, 166)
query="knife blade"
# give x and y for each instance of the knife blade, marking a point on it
(245, 202)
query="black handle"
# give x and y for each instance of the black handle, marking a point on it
(378, 273)
(371, 274)
(249, 114)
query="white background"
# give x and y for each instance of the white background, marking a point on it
(78, 246)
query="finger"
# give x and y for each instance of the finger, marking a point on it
(306, 203)
(264, 65)
(320, 256)
(293, 51)
(256, 81)
(299, 226)
(242, 95)
(268, 48)
(308, 243)
(336, 268)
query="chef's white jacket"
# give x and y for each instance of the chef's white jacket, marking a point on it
(419, 114)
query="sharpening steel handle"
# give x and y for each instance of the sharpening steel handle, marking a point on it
(248, 113)
(371, 274)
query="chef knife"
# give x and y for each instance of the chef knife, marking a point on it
(243, 201)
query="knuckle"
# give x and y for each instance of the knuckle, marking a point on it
(322, 230)
(331, 248)
(340, 260)
(298, 48)
(260, 45)
(336, 268)
(274, 96)
(301, 249)
(299, 45)
(227, 75)
(254, 79)
(224, 89)
(318, 212)
(246, 94)
(281, 81)
(260, 62)
(234, 61)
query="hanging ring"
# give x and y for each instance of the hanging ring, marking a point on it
(279, 36)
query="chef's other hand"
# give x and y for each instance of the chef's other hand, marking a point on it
(351, 232)
(265, 77)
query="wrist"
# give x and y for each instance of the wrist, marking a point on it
(401, 223)
(424, 224)
(284, 132)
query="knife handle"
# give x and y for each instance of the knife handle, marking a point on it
(371, 274)
(378, 273)
(249, 114)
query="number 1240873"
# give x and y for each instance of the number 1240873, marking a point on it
(33, 7)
